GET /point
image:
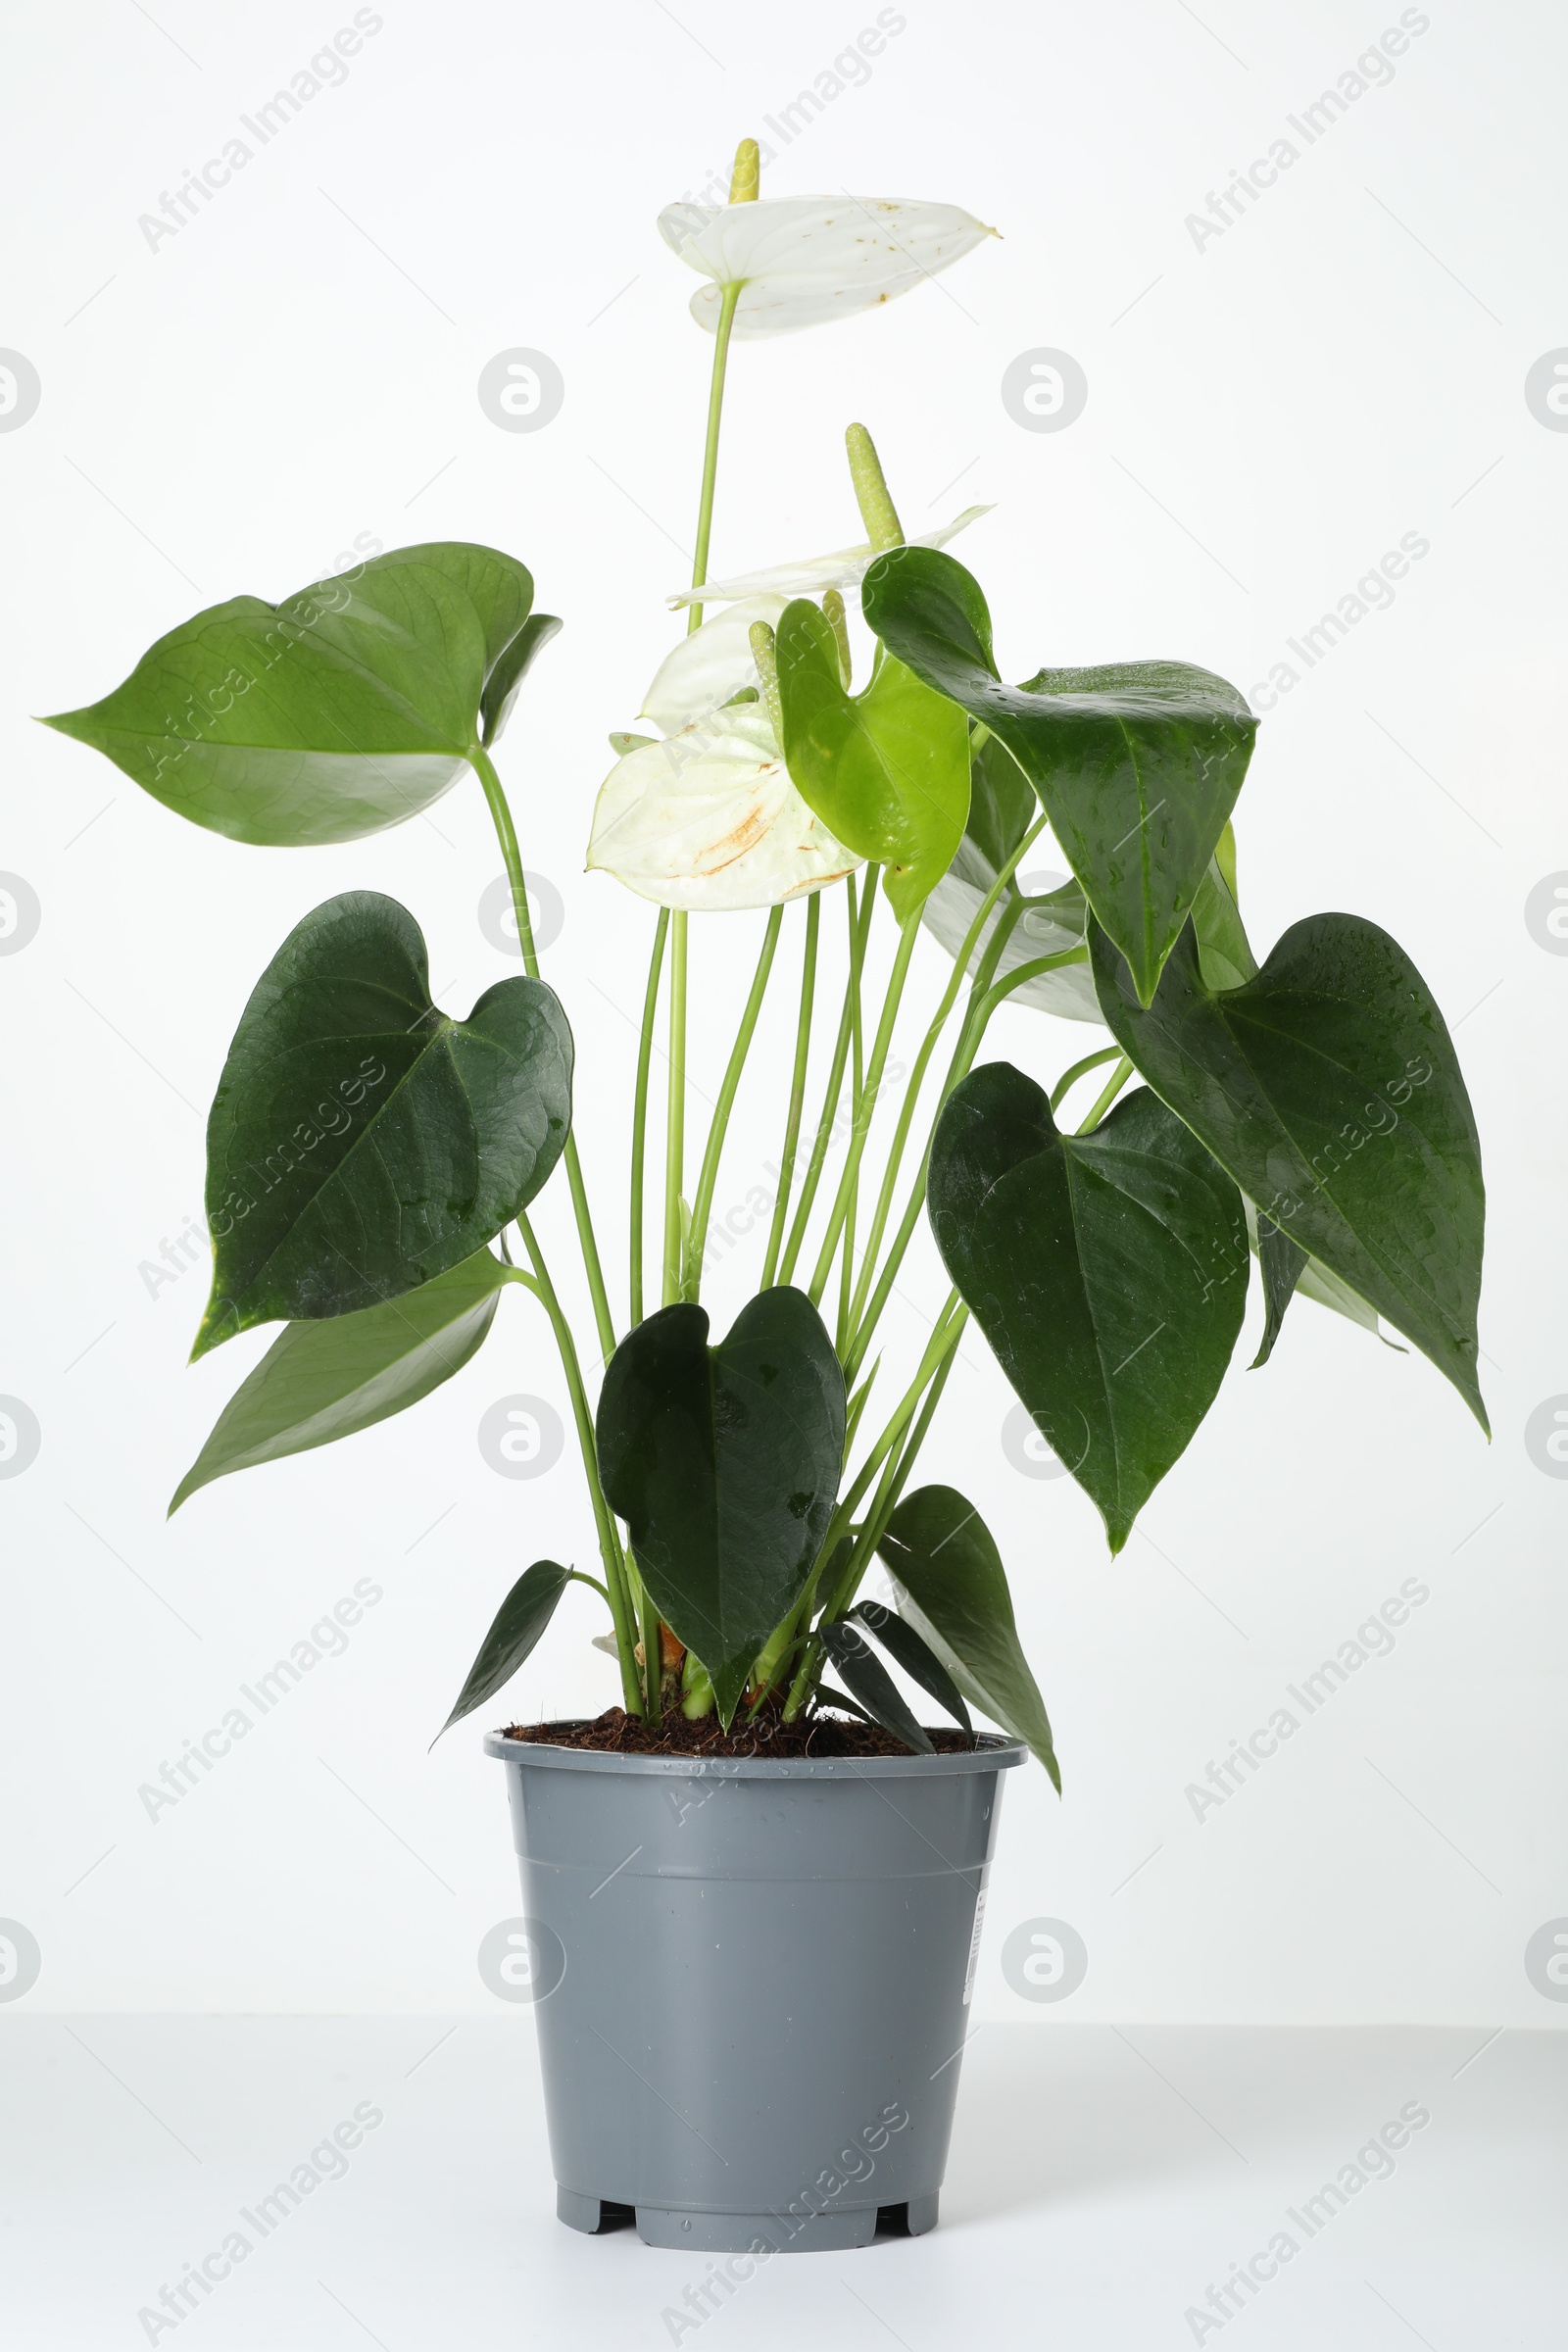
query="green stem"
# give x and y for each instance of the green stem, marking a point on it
(792, 1122)
(1117, 1080)
(912, 1094)
(639, 1114)
(702, 1206)
(983, 1002)
(888, 1452)
(783, 1637)
(866, 1104)
(715, 411)
(617, 1592)
(675, 1124)
(653, 1654)
(835, 1077)
(501, 815)
(675, 1110)
(1080, 1069)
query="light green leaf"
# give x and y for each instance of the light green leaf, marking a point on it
(886, 771)
(349, 706)
(323, 1381)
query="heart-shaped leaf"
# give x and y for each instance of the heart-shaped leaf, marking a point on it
(326, 1379)
(519, 1624)
(886, 771)
(1137, 764)
(1330, 1088)
(872, 1685)
(953, 1589)
(725, 1463)
(360, 1141)
(1109, 1272)
(1002, 808)
(349, 706)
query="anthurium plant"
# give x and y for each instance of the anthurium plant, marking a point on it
(369, 1153)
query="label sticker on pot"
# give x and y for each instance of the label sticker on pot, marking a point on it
(974, 1944)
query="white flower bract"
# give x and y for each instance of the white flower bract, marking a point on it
(803, 260)
(708, 820)
(811, 576)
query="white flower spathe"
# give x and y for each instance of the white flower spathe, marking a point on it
(708, 820)
(814, 576)
(711, 666)
(803, 260)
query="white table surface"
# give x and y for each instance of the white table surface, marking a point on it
(1101, 2181)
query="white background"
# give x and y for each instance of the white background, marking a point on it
(1266, 416)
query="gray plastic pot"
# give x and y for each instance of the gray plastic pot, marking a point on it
(752, 1981)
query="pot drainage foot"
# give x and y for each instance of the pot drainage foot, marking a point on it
(591, 2215)
(912, 2219)
(743, 2233)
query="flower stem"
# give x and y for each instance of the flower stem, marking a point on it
(702, 1205)
(1113, 1086)
(675, 1109)
(639, 1114)
(911, 1093)
(792, 1121)
(675, 1124)
(617, 1591)
(865, 1105)
(506, 832)
(1080, 1069)
(859, 930)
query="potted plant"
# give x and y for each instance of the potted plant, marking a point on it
(755, 1887)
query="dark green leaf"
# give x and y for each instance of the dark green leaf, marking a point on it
(916, 1655)
(953, 1589)
(1281, 1263)
(326, 1379)
(360, 1141)
(886, 771)
(349, 706)
(1109, 1272)
(501, 687)
(1002, 808)
(1330, 1088)
(872, 1685)
(1137, 764)
(724, 1464)
(519, 1621)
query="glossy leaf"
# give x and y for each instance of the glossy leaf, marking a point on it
(361, 1142)
(886, 771)
(1109, 1272)
(349, 706)
(914, 1654)
(953, 1591)
(325, 1380)
(1002, 808)
(872, 1685)
(504, 682)
(1282, 1264)
(724, 1464)
(1330, 1088)
(518, 1625)
(1137, 764)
